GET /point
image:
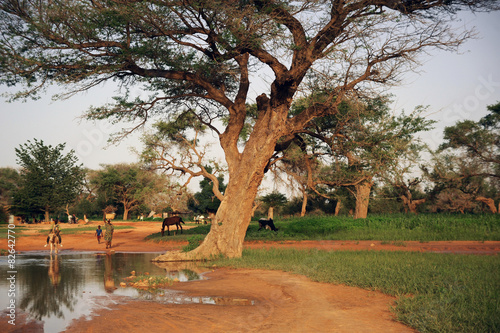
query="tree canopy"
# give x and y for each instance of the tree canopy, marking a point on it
(49, 179)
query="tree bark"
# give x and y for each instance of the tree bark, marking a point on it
(337, 207)
(304, 204)
(125, 213)
(246, 171)
(362, 199)
(270, 212)
(229, 228)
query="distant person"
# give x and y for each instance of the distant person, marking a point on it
(56, 230)
(108, 233)
(98, 233)
(73, 219)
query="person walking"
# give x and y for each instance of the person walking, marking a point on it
(108, 233)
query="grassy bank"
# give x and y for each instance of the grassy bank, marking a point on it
(436, 292)
(395, 227)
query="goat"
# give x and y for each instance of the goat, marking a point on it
(268, 224)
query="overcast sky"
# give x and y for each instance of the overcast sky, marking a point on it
(455, 86)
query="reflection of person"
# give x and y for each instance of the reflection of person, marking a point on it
(98, 233)
(108, 233)
(55, 229)
(55, 277)
(109, 282)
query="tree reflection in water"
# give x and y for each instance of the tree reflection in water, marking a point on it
(47, 289)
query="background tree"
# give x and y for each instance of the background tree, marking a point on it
(9, 182)
(467, 164)
(206, 201)
(129, 184)
(361, 142)
(49, 180)
(201, 56)
(273, 200)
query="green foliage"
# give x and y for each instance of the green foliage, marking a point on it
(194, 242)
(49, 179)
(128, 186)
(449, 293)
(205, 200)
(467, 163)
(9, 181)
(390, 228)
(394, 227)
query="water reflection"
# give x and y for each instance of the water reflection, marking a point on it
(109, 281)
(56, 289)
(42, 292)
(185, 271)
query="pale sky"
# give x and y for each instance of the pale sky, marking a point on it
(455, 86)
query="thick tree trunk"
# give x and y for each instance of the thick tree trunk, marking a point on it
(362, 199)
(246, 171)
(47, 215)
(229, 228)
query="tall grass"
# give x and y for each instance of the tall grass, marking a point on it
(394, 227)
(436, 292)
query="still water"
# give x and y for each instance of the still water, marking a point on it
(57, 289)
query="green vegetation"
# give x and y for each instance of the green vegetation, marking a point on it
(436, 292)
(148, 282)
(3, 230)
(395, 227)
(388, 228)
(194, 242)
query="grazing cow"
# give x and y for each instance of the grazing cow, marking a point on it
(268, 224)
(177, 220)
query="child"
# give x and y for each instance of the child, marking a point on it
(98, 233)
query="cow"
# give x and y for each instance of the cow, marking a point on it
(268, 224)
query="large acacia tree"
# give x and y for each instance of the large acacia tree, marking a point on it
(204, 55)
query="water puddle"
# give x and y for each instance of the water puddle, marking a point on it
(55, 290)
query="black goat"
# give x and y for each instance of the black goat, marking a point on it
(268, 224)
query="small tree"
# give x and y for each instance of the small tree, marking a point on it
(9, 182)
(49, 179)
(273, 200)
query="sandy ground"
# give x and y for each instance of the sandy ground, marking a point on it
(247, 300)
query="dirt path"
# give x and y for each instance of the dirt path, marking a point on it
(281, 302)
